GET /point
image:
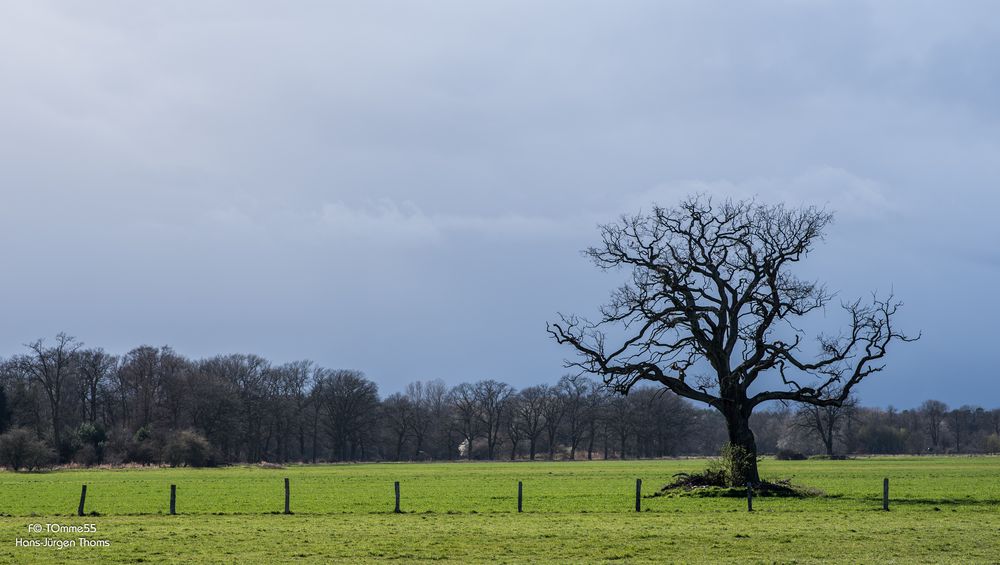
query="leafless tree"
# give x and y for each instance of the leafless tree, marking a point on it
(826, 423)
(436, 401)
(298, 382)
(934, 412)
(620, 418)
(51, 368)
(574, 390)
(512, 424)
(427, 403)
(95, 367)
(286, 387)
(491, 398)
(962, 422)
(553, 409)
(711, 306)
(597, 397)
(465, 412)
(397, 411)
(529, 416)
(350, 402)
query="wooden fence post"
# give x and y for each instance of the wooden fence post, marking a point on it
(288, 509)
(397, 511)
(519, 495)
(173, 499)
(885, 494)
(749, 497)
(83, 498)
(638, 495)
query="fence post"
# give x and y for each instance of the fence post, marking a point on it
(397, 511)
(173, 499)
(885, 494)
(83, 498)
(638, 495)
(288, 509)
(519, 495)
(749, 497)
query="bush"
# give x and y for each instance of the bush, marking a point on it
(20, 449)
(735, 462)
(991, 443)
(789, 455)
(86, 456)
(189, 449)
(93, 439)
(142, 448)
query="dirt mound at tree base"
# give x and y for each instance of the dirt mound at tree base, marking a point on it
(712, 483)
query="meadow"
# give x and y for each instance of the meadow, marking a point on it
(942, 509)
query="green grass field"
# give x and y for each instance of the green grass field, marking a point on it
(943, 510)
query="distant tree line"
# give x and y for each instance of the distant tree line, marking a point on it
(61, 402)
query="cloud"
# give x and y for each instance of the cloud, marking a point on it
(850, 196)
(405, 222)
(385, 222)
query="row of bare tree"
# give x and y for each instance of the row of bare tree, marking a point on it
(93, 407)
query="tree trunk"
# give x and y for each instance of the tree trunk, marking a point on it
(828, 442)
(93, 402)
(742, 452)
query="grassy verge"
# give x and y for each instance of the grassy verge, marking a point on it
(943, 510)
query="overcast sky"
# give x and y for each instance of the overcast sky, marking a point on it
(404, 187)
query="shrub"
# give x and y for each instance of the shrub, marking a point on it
(735, 462)
(142, 448)
(20, 449)
(789, 455)
(86, 456)
(189, 449)
(93, 439)
(991, 443)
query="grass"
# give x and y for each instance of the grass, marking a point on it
(944, 509)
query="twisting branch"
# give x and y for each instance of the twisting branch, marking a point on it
(711, 290)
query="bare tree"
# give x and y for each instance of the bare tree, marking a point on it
(826, 423)
(95, 367)
(710, 307)
(299, 381)
(574, 390)
(529, 416)
(51, 368)
(491, 399)
(934, 412)
(397, 411)
(349, 404)
(512, 424)
(426, 400)
(620, 418)
(553, 409)
(287, 386)
(962, 422)
(436, 401)
(465, 410)
(597, 398)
